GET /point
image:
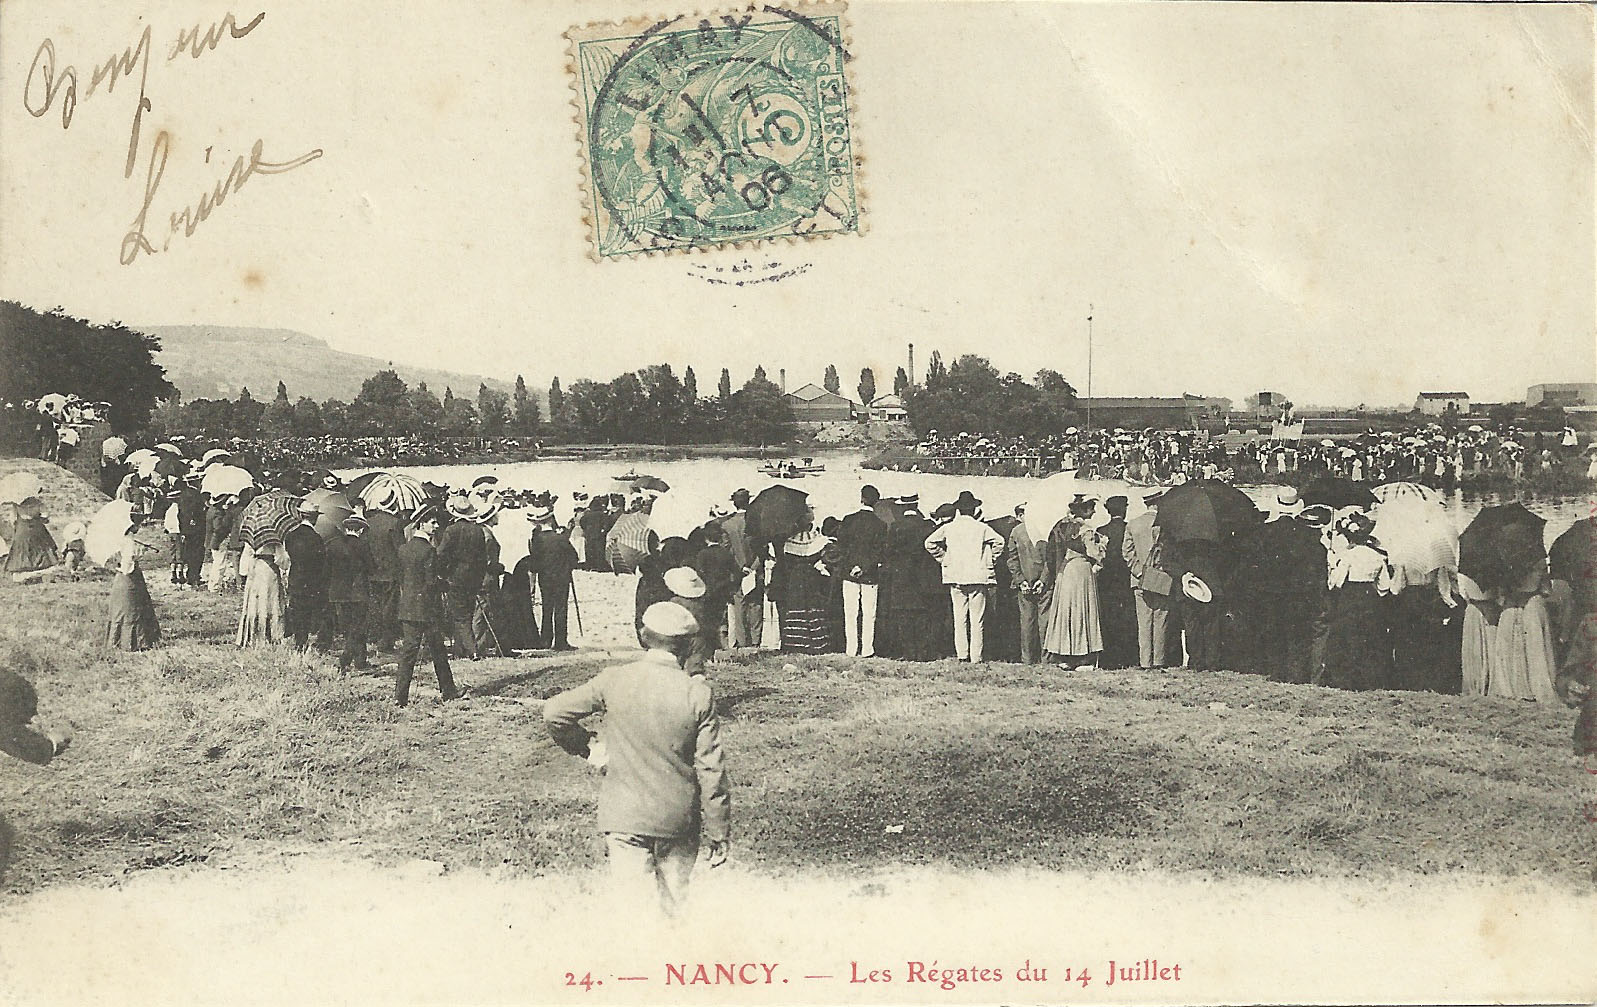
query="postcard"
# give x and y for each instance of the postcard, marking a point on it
(821, 502)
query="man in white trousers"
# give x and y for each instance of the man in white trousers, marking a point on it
(968, 550)
(862, 542)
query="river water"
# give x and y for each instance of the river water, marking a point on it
(836, 491)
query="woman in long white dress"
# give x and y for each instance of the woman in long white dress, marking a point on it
(264, 615)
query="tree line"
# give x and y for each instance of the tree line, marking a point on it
(650, 406)
(971, 395)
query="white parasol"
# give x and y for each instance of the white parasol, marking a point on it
(1050, 502)
(18, 486)
(107, 532)
(679, 511)
(225, 480)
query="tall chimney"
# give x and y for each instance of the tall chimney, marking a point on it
(911, 363)
(783, 372)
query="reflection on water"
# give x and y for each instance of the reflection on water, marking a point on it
(836, 491)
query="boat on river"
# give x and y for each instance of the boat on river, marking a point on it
(789, 469)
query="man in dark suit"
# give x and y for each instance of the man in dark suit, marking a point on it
(462, 562)
(1145, 565)
(384, 537)
(552, 558)
(1026, 561)
(421, 608)
(191, 529)
(862, 549)
(1116, 601)
(349, 570)
(307, 576)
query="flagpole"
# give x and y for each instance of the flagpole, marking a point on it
(1089, 367)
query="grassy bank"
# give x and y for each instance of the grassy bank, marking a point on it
(198, 750)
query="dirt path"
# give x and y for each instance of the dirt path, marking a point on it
(303, 929)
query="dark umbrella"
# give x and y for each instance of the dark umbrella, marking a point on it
(777, 512)
(1336, 492)
(266, 519)
(1573, 556)
(653, 484)
(1500, 546)
(1207, 510)
(356, 485)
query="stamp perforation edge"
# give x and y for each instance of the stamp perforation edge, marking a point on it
(633, 26)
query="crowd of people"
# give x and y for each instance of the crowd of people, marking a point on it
(49, 427)
(281, 453)
(1430, 454)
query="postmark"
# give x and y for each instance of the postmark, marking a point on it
(706, 130)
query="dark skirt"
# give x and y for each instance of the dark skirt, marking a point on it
(805, 630)
(1427, 639)
(1358, 648)
(32, 548)
(130, 622)
(516, 624)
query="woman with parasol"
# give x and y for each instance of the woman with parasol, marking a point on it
(1509, 646)
(263, 616)
(130, 621)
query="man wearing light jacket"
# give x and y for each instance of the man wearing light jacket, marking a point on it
(665, 781)
(969, 552)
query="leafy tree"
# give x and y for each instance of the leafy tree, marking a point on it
(307, 418)
(759, 374)
(900, 382)
(759, 413)
(247, 414)
(493, 411)
(935, 371)
(335, 415)
(587, 405)
(832, 382)
(279, 418)
(690, 386)
(460, 419)
(384, 405)
(46, 352)
(557, 404)
(428, 410)
(525, 409)
(867, 386)
(723, 389)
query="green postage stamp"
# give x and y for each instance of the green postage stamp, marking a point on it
(709, 130)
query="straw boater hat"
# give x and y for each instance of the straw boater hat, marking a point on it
(459, 505)
(426, 512)
(1193, 587)
(539, 515)
(669, 619)
(354, 524)
(1287, 503)
(684, 582)
(1317, 516)
(308, 508)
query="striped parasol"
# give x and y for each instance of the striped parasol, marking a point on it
(266, 519)
(1387, 492)
(393, 493)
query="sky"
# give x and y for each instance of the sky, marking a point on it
(1343, 203)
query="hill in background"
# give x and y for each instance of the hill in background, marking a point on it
(215, 361)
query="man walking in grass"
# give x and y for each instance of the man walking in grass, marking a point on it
(665, 784)
(421, 608)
